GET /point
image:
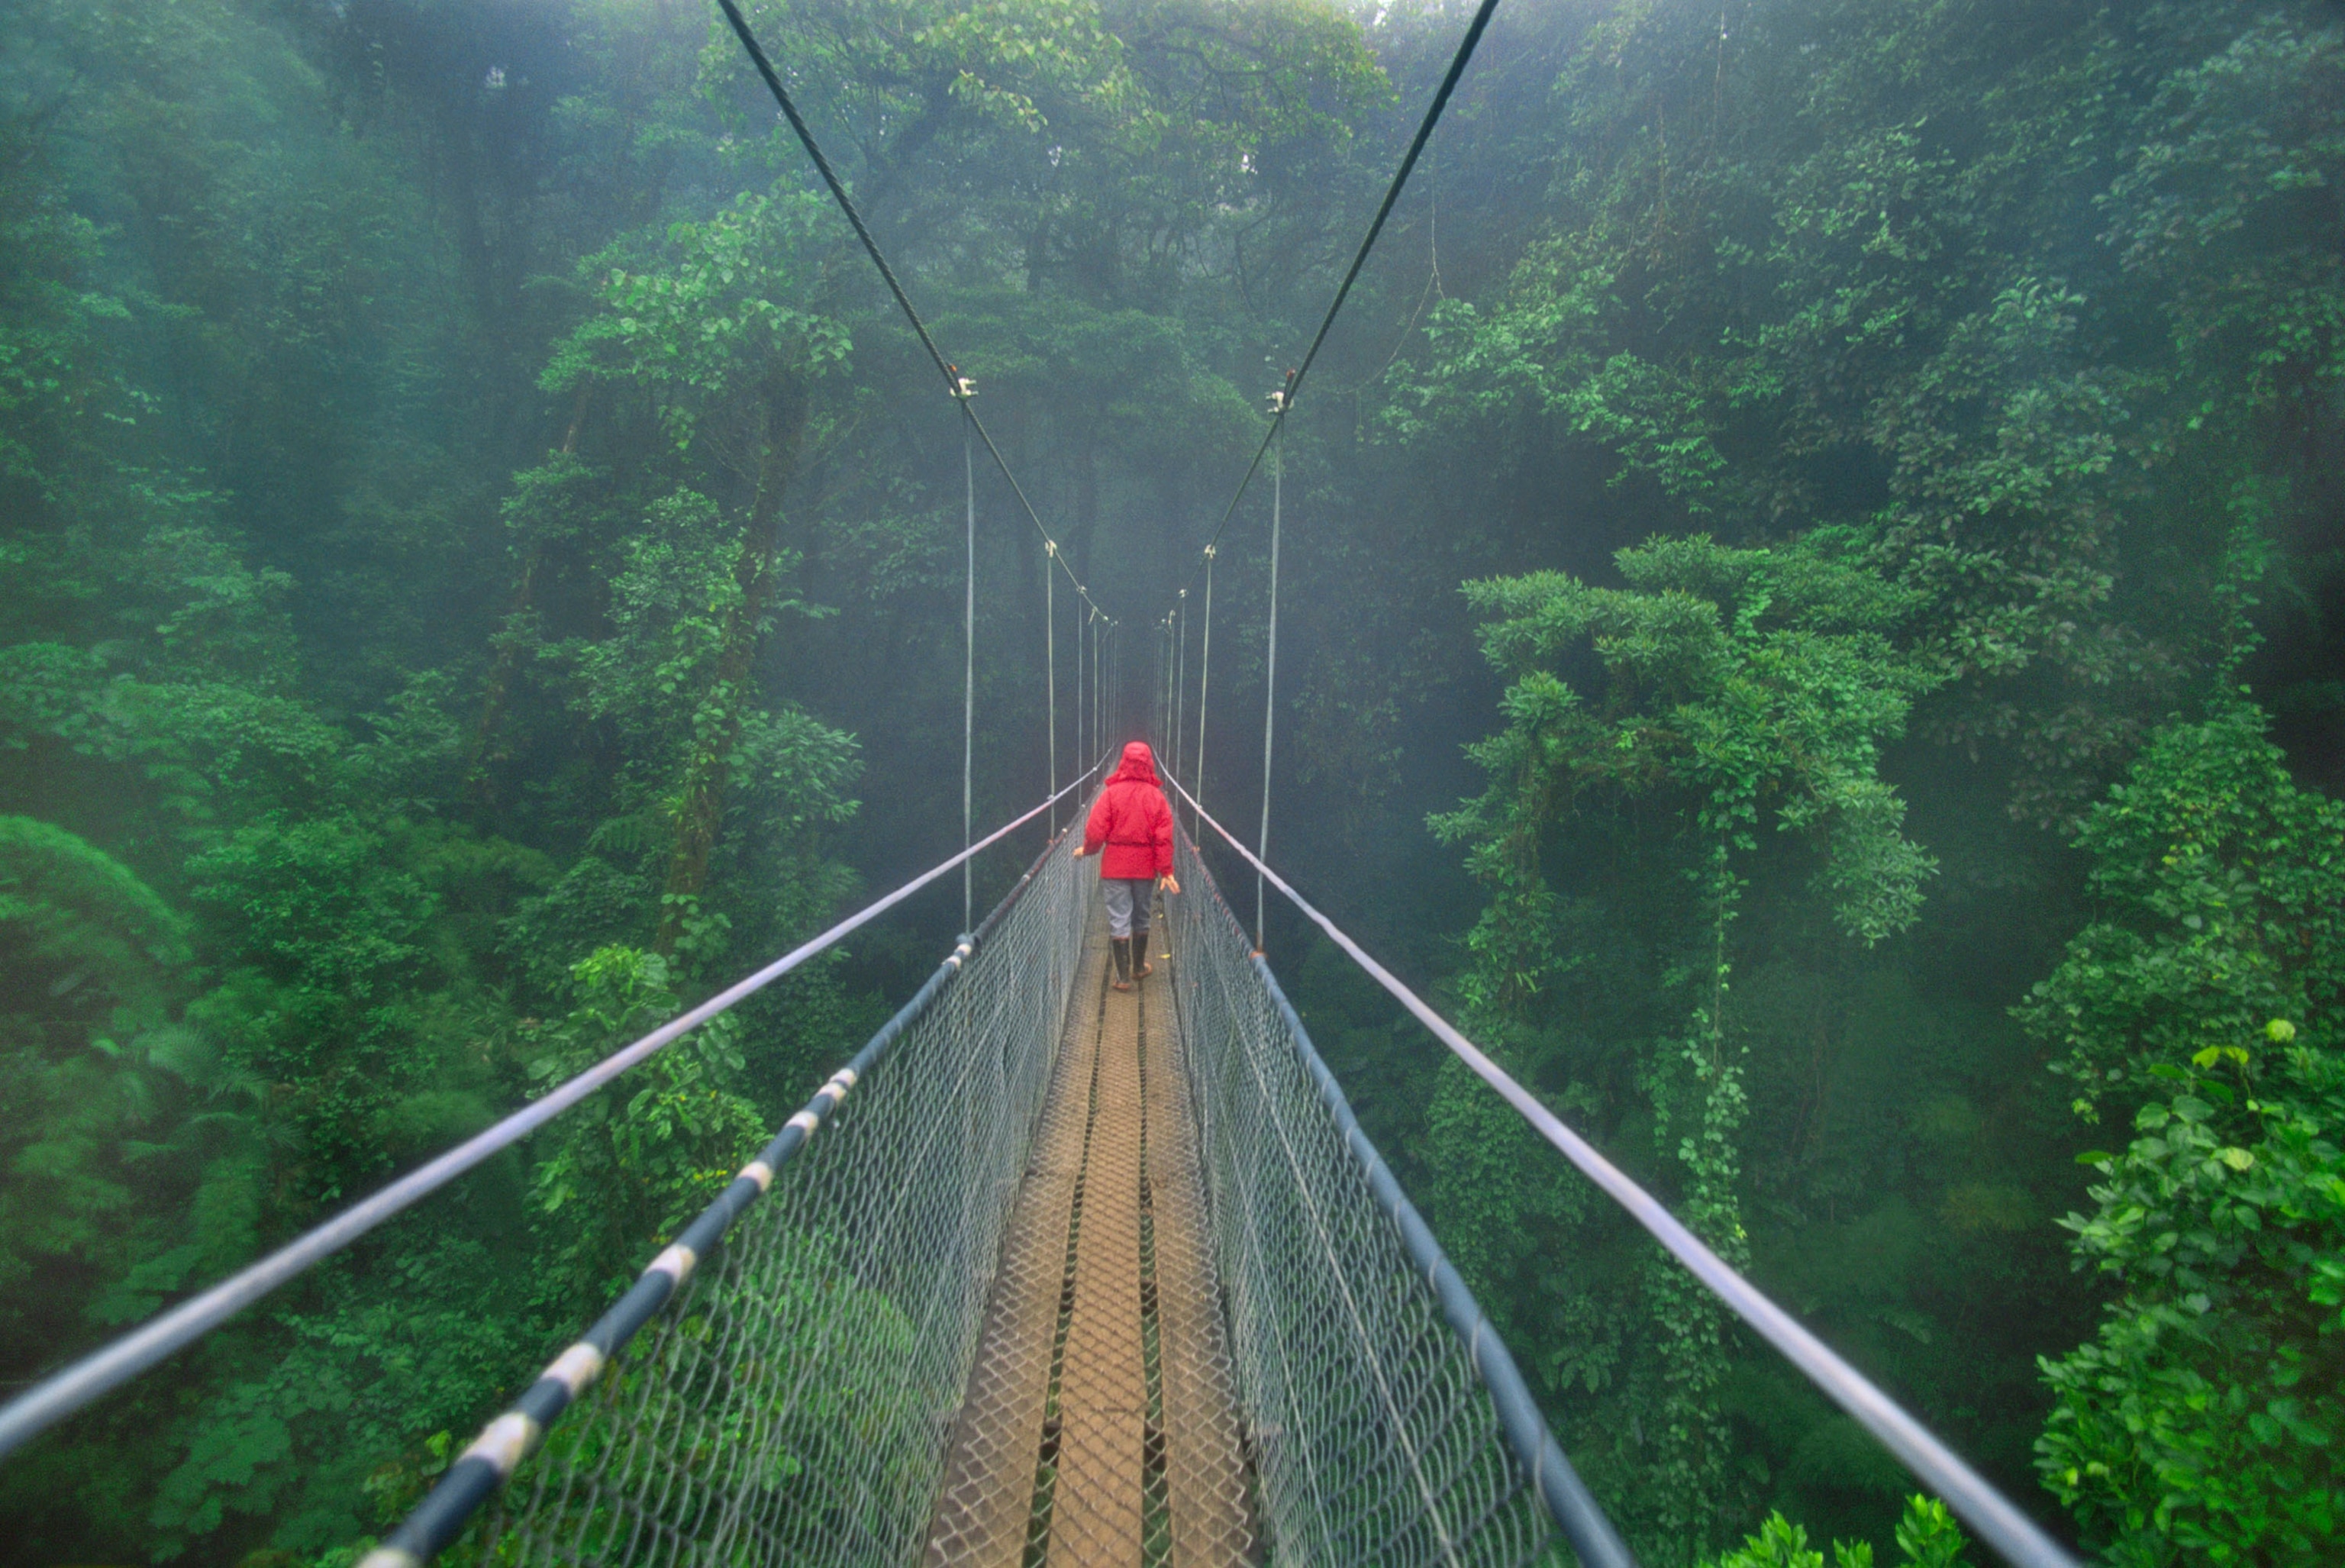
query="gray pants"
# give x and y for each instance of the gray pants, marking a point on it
(1127, 904)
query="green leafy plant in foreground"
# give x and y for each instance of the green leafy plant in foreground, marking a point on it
(2203, 1423)
(1927, 1537)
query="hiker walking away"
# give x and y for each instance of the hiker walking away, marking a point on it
(1131, 830)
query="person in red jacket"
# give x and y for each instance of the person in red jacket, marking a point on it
(1131, 830)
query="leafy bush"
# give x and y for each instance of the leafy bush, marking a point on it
(2204, 1421)
(1927, 1537)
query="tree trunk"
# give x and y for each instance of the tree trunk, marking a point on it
(732, 687)
(498, 690)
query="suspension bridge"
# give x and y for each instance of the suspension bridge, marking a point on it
(1050, 1272)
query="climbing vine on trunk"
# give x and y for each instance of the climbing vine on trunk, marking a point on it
(727, 374)
(1740, 688)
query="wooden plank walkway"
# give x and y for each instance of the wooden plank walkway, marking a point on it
(1098, 1430)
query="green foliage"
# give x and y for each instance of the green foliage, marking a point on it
(696, 333)
(2203, 1421)
(1790, 274)
(618, 1174)
(2219, 879)
(458, 603)
(1741, 686)
(1927, 1537)
(81, 914)
(1741, 677)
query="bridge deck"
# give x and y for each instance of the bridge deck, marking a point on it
(1099, 1429)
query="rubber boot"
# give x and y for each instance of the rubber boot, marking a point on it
(1140, 968)
(1122, 946)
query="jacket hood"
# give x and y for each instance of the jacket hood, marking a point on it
(1139, 765)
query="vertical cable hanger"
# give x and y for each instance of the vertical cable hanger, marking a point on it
(964, 390)
(955, 382)
(1204, 690)
(1180, 681)
(1164, 685)
(1294, 383)
(1171, 687)
(1270, 663)
(1051, 664)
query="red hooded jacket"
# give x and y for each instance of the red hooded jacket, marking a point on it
(1132, 819)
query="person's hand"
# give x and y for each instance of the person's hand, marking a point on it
(1081, 851)
(1170, 883)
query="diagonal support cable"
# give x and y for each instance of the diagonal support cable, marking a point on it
(1285, 397)
(956, 384)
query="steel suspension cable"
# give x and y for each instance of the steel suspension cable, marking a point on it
(1270, 670)
(1294, 383)
(75, 1387)
(1997, 1521)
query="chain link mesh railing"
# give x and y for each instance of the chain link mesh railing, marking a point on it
(792, 1404)
(1387, 1424)
(1309, 1379)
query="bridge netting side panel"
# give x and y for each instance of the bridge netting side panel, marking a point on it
(792, 1405)
(796, 1402)
(1375, 1438)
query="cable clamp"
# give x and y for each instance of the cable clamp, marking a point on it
(963, 388)
(1278, 401)
(1210, 550)
(1050, 546)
